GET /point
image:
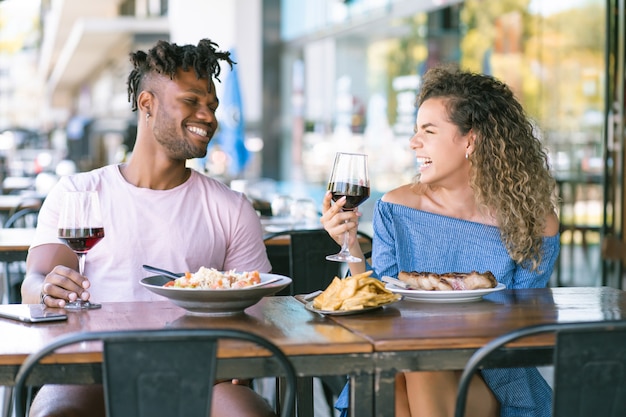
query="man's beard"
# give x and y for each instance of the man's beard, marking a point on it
(175, 142)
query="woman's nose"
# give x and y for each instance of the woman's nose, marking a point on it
(415, 141)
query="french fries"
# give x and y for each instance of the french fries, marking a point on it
(354, 293)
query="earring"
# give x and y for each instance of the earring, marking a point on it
(147, 118)
(466, 155)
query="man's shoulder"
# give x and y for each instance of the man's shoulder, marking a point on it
(199, 176)
(213, 187)
(213, 183)
(83, 180)
(106, 170)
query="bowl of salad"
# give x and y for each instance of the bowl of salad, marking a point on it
(216, 293)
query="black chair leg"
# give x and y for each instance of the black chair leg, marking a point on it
(330, 398)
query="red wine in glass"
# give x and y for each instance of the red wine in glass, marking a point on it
(355, 194)
(80, 226)
(81, 240)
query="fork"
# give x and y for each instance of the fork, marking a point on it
(396, 282)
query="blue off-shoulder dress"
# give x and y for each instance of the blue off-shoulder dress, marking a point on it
(407, 239)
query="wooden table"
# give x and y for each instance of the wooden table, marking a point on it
(14, 244)
(284, 240)
(12, 184)
(413, 336)
(10, 202)
(316, 345)
(371, 348)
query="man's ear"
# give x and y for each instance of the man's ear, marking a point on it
(145, 102)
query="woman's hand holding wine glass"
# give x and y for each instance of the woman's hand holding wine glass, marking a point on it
(81, 228)
(350, 179)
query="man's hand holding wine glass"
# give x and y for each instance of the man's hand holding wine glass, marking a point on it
(80, 227)
(64, 285)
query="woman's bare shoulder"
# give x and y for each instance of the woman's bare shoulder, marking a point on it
(405, 195)
(552, 225)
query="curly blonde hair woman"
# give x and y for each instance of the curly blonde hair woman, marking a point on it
(508, 167)
(483, 200)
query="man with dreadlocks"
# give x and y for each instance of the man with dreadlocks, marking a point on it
(156, 211)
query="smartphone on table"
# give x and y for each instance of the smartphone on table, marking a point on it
(31, 313)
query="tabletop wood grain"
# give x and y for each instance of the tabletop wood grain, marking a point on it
(283, 320)
(371, 347)
(411, 325)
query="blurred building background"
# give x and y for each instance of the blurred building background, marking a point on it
(319, 76)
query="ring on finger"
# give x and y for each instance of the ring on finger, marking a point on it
(43, 298)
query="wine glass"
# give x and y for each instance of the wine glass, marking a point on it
(80, 227)
(349, 178)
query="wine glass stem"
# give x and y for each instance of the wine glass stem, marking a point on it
(345, 249)
(81, 262)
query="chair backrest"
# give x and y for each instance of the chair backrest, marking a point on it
(26, 202)
(304, 259)
(26, 217)
(165, 372)
(589, 367)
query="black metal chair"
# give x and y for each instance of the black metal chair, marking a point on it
(589, 367)
(25, 217)
(26, 201)
(14, 271)
(304, 259)
(165, 372)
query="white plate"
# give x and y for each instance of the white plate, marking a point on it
(309, 306)
(457, 296)
(215, 302)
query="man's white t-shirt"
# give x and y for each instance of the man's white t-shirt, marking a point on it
(202, 222)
